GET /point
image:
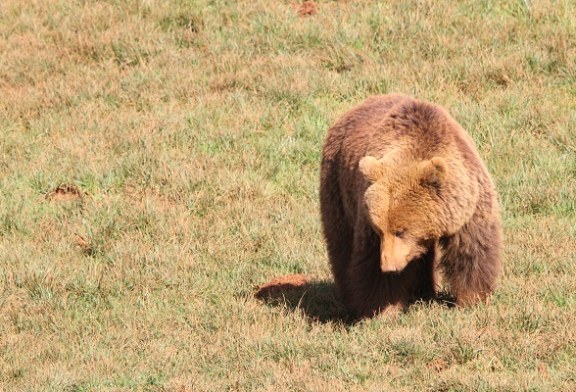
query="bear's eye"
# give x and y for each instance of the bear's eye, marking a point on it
(400, 233)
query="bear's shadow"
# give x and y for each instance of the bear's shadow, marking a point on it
(318, 302)
(315, 299)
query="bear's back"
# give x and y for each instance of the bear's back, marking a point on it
(411, 129)
(419, 129)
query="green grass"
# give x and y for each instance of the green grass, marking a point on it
(193, 131)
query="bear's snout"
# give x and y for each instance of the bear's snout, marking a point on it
(393, 254)
(387, 267)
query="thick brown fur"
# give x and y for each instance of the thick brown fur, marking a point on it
(423, 195)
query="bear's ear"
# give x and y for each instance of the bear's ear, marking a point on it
(434, 172)
(371, 168)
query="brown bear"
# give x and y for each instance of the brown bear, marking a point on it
(404, 195)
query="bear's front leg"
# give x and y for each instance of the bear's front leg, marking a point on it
(369, 290)
(471, 262)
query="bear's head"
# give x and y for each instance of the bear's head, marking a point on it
(411, 204)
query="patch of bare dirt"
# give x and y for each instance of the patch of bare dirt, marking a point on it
(279, 287)
(65, 192)
(307, 8)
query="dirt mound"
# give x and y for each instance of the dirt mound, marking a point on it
(307, 8)
(279, 287)
(65, 192)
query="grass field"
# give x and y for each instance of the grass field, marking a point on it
(160, 159)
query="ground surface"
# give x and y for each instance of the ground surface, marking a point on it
(159, 160)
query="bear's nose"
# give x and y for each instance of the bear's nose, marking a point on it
(387, 267)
